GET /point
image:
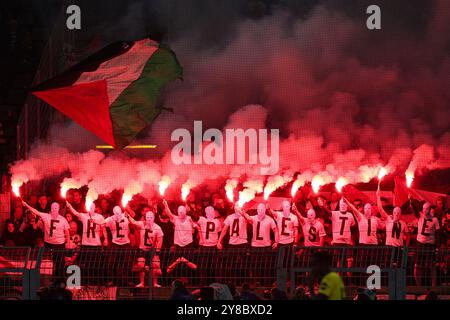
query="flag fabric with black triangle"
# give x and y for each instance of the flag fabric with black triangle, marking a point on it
(115, 92)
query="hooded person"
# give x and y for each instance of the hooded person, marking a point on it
(183, 227)
(56, 235)
(209, 228)
(119, 227)
(396, 229)
(236, 226)
(427, 230)
(368, 225)
(150, 233)
(262, 224)
(428, 225)
(150, 237)
(262, 244)
(313, 230)
(287, 223)
(93, 226)
(341, 222)
(56, 227)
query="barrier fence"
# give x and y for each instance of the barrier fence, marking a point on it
(128, 273)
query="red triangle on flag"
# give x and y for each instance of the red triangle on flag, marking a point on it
(87, 104)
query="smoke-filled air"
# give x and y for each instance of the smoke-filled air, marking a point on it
(347, 107)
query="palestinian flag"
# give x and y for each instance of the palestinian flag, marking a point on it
(115, 92)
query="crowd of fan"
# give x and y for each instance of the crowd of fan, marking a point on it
(209, 222)
(25, 229)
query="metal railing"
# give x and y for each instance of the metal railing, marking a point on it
(130, 273)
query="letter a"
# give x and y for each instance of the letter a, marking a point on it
(374, 20)
(74, 20)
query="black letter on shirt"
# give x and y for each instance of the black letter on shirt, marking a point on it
(52, 226)
(396, 230)
(343, 219)
(312, 234)
(258, 236)
(118, 228)
(235, 228)
(210, 226)
(284, 225)
(147, 237)
(424, 226)
(91, 228)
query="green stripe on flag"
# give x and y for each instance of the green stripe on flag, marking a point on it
(137, 106)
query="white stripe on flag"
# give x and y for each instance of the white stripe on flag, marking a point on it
(122, 70)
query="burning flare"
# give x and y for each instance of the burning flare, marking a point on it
(301, 179)
(15, 185)
(185, 190)
(68, 183)
(90, 197)
(245, 196)
(383, 172)
(316, 183)
(273, 183)
(252, 187)
(89, 202)
(163, 184)
(340, 183)
(229, 188)
(409, 177)
(130, 190)
(126, 197)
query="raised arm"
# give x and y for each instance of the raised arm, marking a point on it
(246, 216)
(270, 212)
(74, 212)
(131, 219)
(411, 204)
(33, 210)
(383, 213)
(130, 211)
(298, 214)
(354, 209)
(169, 213)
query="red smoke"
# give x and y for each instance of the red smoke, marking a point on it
(342, 110)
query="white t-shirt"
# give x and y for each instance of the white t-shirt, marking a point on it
(426, 229)
(394, 232)
(261, 231)
(92, 229)
(54, 229)
(148, 235)
(286, 227)
(237, 229)
(120, 230)
(183, 231)
(210, 229)
(368, 231)
(341, 223)
(313, 232)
